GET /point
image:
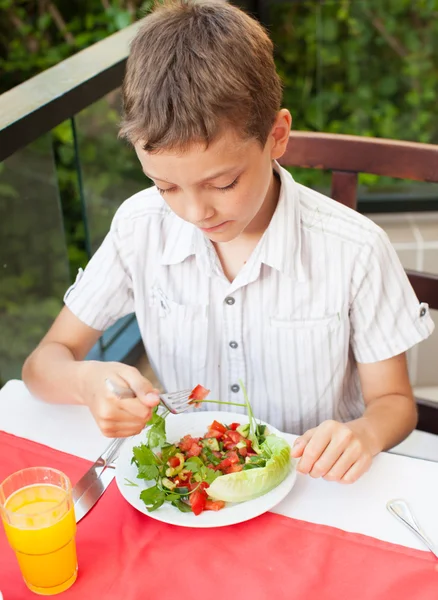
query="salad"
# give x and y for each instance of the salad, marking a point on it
(229, 463)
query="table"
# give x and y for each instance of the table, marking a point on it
(358, 508)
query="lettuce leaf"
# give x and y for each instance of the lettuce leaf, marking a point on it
(248, 484)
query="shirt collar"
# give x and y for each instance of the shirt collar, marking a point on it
(179, 239)
(184, 240)
(280, 246)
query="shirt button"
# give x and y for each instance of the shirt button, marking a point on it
(229, 300)
(235, 388)
(234, 344)
(423, 311)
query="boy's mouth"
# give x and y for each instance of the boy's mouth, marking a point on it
(215, 228)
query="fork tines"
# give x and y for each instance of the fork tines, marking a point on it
(177, 402)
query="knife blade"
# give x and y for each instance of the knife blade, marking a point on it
(92, 494)
(94, 473)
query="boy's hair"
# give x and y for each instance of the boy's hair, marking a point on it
(195, 67)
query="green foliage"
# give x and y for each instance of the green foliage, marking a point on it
(362, 68)
(37, 34)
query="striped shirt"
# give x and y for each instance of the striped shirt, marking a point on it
(322, 290)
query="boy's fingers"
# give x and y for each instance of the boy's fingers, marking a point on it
(332, 462)
(360, 467)
(142, 387)
(334, 466)
(314, 449)
(136, 408)
(300, 443)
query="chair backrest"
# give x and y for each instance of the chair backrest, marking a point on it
(346, 156)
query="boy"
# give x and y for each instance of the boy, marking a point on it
(236, 272)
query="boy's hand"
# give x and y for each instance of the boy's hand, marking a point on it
(117, 417)
(335, 451)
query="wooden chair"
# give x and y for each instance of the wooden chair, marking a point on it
(348, 155)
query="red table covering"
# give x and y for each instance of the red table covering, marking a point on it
(125, 555)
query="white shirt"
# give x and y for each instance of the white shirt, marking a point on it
(323, 289)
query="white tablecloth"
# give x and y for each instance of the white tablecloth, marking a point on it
(359, 508)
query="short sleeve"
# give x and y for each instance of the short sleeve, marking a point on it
(103, 292)
(386, 316)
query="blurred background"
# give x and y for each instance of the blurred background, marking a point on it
(362, 68)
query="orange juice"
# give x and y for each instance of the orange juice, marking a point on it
(41, 529)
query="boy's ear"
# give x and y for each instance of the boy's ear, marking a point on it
(279, 135)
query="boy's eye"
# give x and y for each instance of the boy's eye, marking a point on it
(221, 189)
(164, 191)
(229, 187)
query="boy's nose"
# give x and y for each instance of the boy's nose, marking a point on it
(198, 211)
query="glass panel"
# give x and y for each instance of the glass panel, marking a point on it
(361, 68)
(34, 272)
(110, 174)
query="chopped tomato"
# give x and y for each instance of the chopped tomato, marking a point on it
(214, 504)
(243, 451)
(231, 438)
(234, 426)
(224, 464)
(186, 443)
(217, 427)
(199, 393)
(174, 461)
(198, 500)
(195, 450)
(232, 456)
(234, 436)
(214, 433)
(235, 468)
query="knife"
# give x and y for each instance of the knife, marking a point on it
(91, 486)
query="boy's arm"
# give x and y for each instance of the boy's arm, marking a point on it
(57, 372)
(344, 451)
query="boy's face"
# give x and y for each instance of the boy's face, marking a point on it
(225, 189)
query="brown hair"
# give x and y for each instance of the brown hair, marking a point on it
(196, 66)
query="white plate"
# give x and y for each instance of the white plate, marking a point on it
(196, 425)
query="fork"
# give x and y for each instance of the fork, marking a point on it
(175, 402)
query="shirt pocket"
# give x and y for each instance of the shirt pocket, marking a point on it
(179, 331)
(309, 356)
(326, 323)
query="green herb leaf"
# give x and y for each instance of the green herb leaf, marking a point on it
(153, 497)
(144, 455)
(167, 451)
(193, 464)
(171, 497)
(211, 457)
(182, 506)
(157, 432)
(211, 475)
(147, 472)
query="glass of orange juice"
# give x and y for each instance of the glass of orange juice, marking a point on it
(38, 515)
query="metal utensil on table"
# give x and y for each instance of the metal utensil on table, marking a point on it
(175, 402)
(400, 509)
(92, 485)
